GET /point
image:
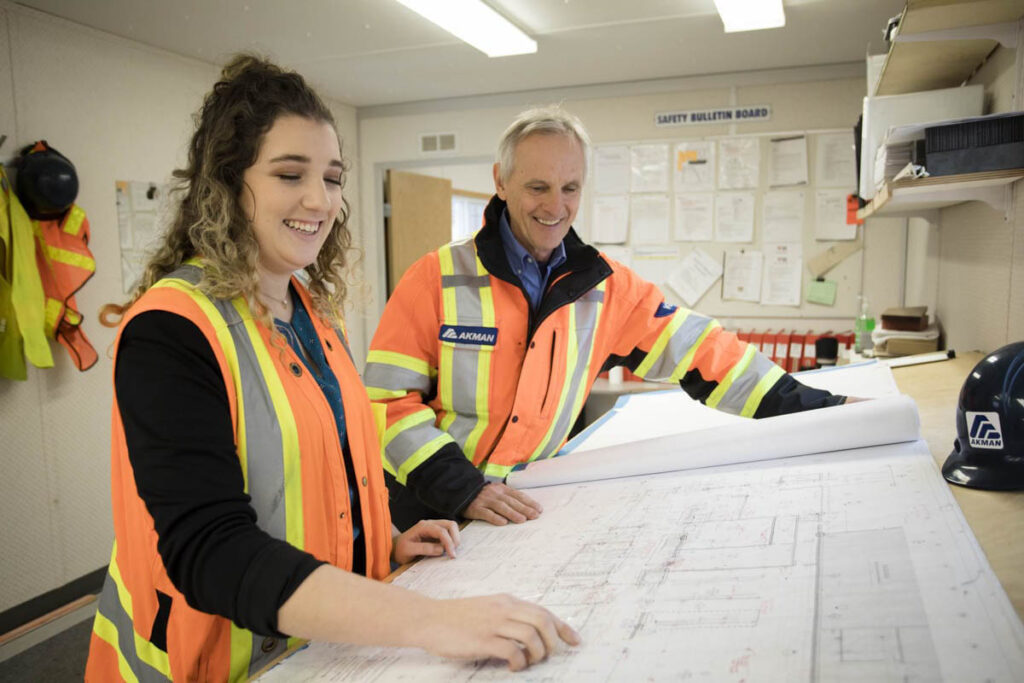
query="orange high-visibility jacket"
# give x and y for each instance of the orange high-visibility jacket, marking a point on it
(459, 358)
(281, 420)
(65, 265)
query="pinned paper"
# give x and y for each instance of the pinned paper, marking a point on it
(822, 292)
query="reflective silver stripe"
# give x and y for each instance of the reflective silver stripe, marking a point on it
(264, 471)
(679, 344)
(743, 386)
(110, 607)
(394, 378)
(344, 343)
(406, 442)
(464, 280)
(587, 312)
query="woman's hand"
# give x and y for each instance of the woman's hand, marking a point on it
(499, 626)
(428, 538)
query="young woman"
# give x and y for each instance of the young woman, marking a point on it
(248, 500)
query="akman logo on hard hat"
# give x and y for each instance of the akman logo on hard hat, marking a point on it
(983, 430)
(464, 334)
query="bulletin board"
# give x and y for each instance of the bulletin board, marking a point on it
(756, 207)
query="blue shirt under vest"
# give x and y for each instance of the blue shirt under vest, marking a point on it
(533, 275)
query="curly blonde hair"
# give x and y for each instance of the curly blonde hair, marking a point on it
(209, 221)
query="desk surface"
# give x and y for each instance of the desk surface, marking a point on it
(997, 518)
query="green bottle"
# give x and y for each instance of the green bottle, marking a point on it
(862, 328)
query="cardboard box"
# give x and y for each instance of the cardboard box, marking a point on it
(899, 346)
(909, 319)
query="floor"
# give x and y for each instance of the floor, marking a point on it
(52, 654)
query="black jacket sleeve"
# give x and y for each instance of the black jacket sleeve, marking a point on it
(177, 424)
(442, 487)
(789, 396)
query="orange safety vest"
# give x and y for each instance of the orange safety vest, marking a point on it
(65, 265)
(282, 421)
(453, 358)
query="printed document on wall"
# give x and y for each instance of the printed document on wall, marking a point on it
(649, 168)
(741, 280)
(694, 168)
(648, 219)
(782, 218)
(780, 284)
(788, 161)
(611, 169)
(830, 216)
(734, 216)
(655, 264)
(695, 275)
(834, 164)
(610, 224)
(694, 214)
(739, 163)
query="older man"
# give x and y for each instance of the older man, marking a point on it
(488, 347)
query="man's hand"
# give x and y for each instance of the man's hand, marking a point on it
(499, 626)
(499, 505)
(427, 538)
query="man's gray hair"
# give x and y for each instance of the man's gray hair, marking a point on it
(550, 120)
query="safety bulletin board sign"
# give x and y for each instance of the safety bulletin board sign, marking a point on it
(688, 117)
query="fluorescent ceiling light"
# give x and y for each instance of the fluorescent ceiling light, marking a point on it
(477, 24)
(750, 15)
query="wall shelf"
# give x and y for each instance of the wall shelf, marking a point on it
(911, 196)
(940, 43)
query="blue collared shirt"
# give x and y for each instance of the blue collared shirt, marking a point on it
(533, 275)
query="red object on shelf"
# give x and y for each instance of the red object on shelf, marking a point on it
(796, 350)
(781, 356)
(757, 339)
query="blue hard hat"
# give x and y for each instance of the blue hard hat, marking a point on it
(989, 449)
(47, 183)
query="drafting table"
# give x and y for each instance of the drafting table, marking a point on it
(732, 574)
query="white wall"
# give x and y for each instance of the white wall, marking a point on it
(801, 99)
(119, 111)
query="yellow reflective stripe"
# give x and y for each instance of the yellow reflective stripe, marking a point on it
(52, 315)
(417, 418)
(241, 653)
(584, 387)
(295, 526)
(451, 317)
(401, 360)
(659, 346)
(421, 454)
(144, 650)
(483, 369)
(684, 364)
(766, 383)
(73, 223)
(499, 471)
(737, 370)
(376, 394)
(570, 368)
(70, 258)
(227, 345)
(72, 317)
(107, 631)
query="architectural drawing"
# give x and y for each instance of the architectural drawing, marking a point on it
(852, 566)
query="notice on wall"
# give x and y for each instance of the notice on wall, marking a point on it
(693, 277)
(739, 163)
(834, 163)
(741, 279)
(830, 216)
(782, 216)
(788, 161)
(648, 218)
(611, 169)
(694, 166)
(734, 216)
(655, 264)
(648, 168)
(610, 224)
(143, 209)
(694, 217)
(689, 117)
(780, 283)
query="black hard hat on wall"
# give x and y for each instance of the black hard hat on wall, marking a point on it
(47, 183)
(989, 449)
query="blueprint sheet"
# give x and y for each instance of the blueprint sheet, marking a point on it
(850, 566)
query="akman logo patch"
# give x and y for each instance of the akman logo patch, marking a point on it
(464, 334)
(984, 431)
(664, 309)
